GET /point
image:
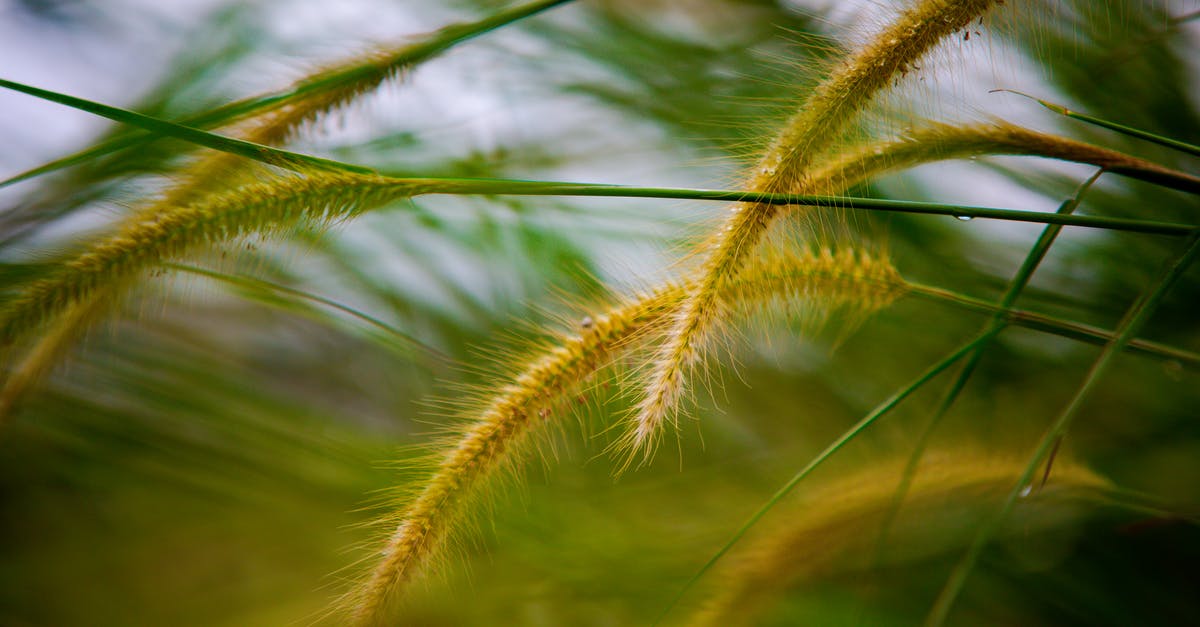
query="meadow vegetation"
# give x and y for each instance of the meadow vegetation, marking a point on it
(873, 314)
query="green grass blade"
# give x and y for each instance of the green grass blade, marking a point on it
(929, 208)
(880, 411)
(231, 112)
(257, 152)
(1137, 316)
(501, 187)
(1015, 287)
(430, 46)
(1175, 144)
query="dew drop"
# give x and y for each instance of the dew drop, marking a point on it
(1026, 491)
(965, 218)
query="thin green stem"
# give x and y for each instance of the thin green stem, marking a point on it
(880, 411)
(433, 44)
(1057, 326)
(1137, 316)
(540, 188)
(1016, 286)
(1175, 144)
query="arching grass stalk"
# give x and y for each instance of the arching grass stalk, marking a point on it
(1174, 144)
(323, 89)
(880, 411)
(785, 166)
(521, 406)
(941, 142)
(1137, 316)
(1016, 286)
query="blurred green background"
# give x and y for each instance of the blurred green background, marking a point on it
(212, 454)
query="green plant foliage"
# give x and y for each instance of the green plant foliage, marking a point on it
(372, 313)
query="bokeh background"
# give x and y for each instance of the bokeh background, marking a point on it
(211, 455)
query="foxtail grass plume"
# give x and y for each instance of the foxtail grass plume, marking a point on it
(786, 166)
(488, 443)
(833, 528)
(256, 209)
(940, 141)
